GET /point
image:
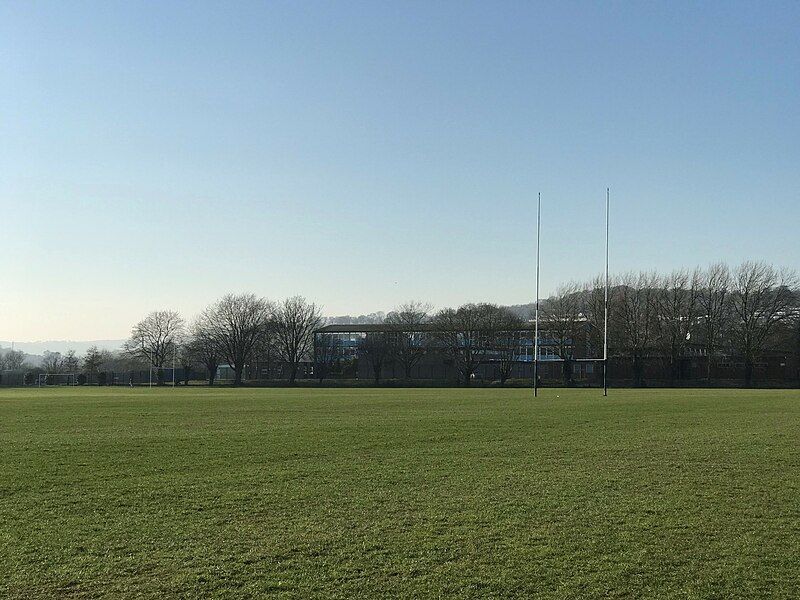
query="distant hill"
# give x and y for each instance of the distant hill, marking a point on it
(376, 317)
(524, 311)
(80, 347)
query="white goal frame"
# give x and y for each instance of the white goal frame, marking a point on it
(155, 370)
(71, 379)
(604, 359)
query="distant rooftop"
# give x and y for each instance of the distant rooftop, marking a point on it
(378, 327)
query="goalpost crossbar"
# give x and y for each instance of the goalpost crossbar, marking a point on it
(155, 370)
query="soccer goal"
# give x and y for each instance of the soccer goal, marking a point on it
(48, 379)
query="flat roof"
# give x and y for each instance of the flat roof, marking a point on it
(379, 327)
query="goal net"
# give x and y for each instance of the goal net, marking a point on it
(47, 379)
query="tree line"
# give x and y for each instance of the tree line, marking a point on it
(231, 331)
(12, 360)
(240, 327)
(744, 312)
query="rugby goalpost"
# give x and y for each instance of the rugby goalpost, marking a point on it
(156, 370)
(604, 359)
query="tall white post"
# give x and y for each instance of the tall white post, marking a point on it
(605, 318)
(536, 326)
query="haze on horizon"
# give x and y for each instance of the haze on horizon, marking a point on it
(363, 154)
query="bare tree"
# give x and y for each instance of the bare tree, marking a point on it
(562, 313)
(634, 312)
(714, 307)
(155, 339)
(762, 298)
(52, 362)
(593, 307)
(505, 338)
(71, 363)
(295, 321)
(376, 348)
(187, 360)
(327, 353)
(204, 349)
(267, 354)
(238, 323)
(465, 334)
(94, 360)
(408, 340)
(676, 304)
(15, 360)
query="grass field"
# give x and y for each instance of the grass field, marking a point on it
(303, 493)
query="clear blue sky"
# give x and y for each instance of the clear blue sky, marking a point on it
(157, 155)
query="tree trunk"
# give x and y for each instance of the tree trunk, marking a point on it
(566, 368)
(212, 372)
(709, 365)
(292, 373)
(638, 371)
(671, 371)
(748, 372)
(376, 372)
(237, 380)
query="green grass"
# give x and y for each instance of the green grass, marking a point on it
(305, 493)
